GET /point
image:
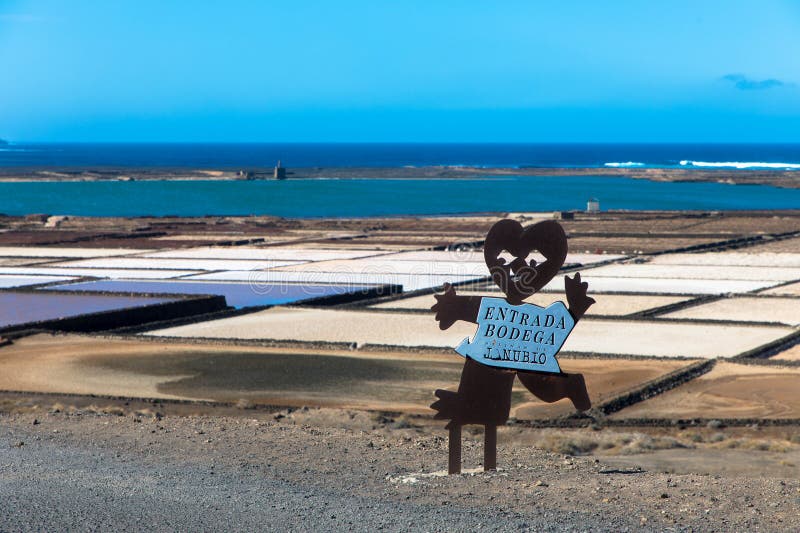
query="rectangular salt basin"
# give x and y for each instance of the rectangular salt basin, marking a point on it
(236, 294)
(9, 282)
(174, 264)
(390, 266)
(98, 272)
(665, 285)
(745, 309)
(476, 256)
(744, 273)
(605, 304)
(410, 282)
(265, 254)
(648, 338)
(24, 307)
(53, 251)
(752, 259)
(792, 289)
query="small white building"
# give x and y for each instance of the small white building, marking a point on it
(593, 205)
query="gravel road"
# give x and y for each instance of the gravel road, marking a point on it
(337, 470)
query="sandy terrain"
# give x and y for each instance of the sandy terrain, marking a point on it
(745, 309)
(389, 381)
(729, 391)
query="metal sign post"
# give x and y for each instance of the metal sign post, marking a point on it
(513, 338)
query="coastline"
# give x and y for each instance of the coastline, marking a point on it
(789, 179)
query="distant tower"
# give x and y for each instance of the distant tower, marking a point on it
(280, 172)
(593, 205)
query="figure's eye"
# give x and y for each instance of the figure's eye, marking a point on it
(506, 257)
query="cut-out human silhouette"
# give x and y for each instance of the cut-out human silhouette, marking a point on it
(484, 393)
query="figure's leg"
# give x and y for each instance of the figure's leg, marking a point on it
(553, 387)
(454, 447)
(490, 447)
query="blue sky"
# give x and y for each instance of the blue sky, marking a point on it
(525, 71)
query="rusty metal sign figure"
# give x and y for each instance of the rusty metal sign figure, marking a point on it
(513, 338)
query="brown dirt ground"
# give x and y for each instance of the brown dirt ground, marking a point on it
(730, 390)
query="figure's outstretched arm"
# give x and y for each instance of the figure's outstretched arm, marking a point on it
(577, 299)
(450, 307)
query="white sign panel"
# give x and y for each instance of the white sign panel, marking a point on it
(519, 337)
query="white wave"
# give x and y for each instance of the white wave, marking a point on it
(625, 164)
(740, 165)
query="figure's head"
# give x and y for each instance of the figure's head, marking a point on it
(517, 276)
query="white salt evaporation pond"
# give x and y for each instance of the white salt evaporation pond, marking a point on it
(409, 282)
(745, 309)
(663, 285)
(605, 304)
(753, 259)
(147, 263)
(624, 337)
(791, 289)
(10, 282)
(56, 252)
(17, 308)
(711, 272)
(272, 253)
(236, 294)
(96, 272)
(476, 256)
(392, 266)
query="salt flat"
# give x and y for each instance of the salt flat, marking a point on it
(97, 272)
(751, 259)
(664, 285)
(744, 273)
(745, 309)
(792, 289)
(56, 251)
(648, 338)
(409, 282)
(605, 304)
(272, 253)
(728, 391)
(388, 265)
(476, 256)
(9, 281)
(174, 264)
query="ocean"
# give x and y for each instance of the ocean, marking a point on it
(385, 197)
